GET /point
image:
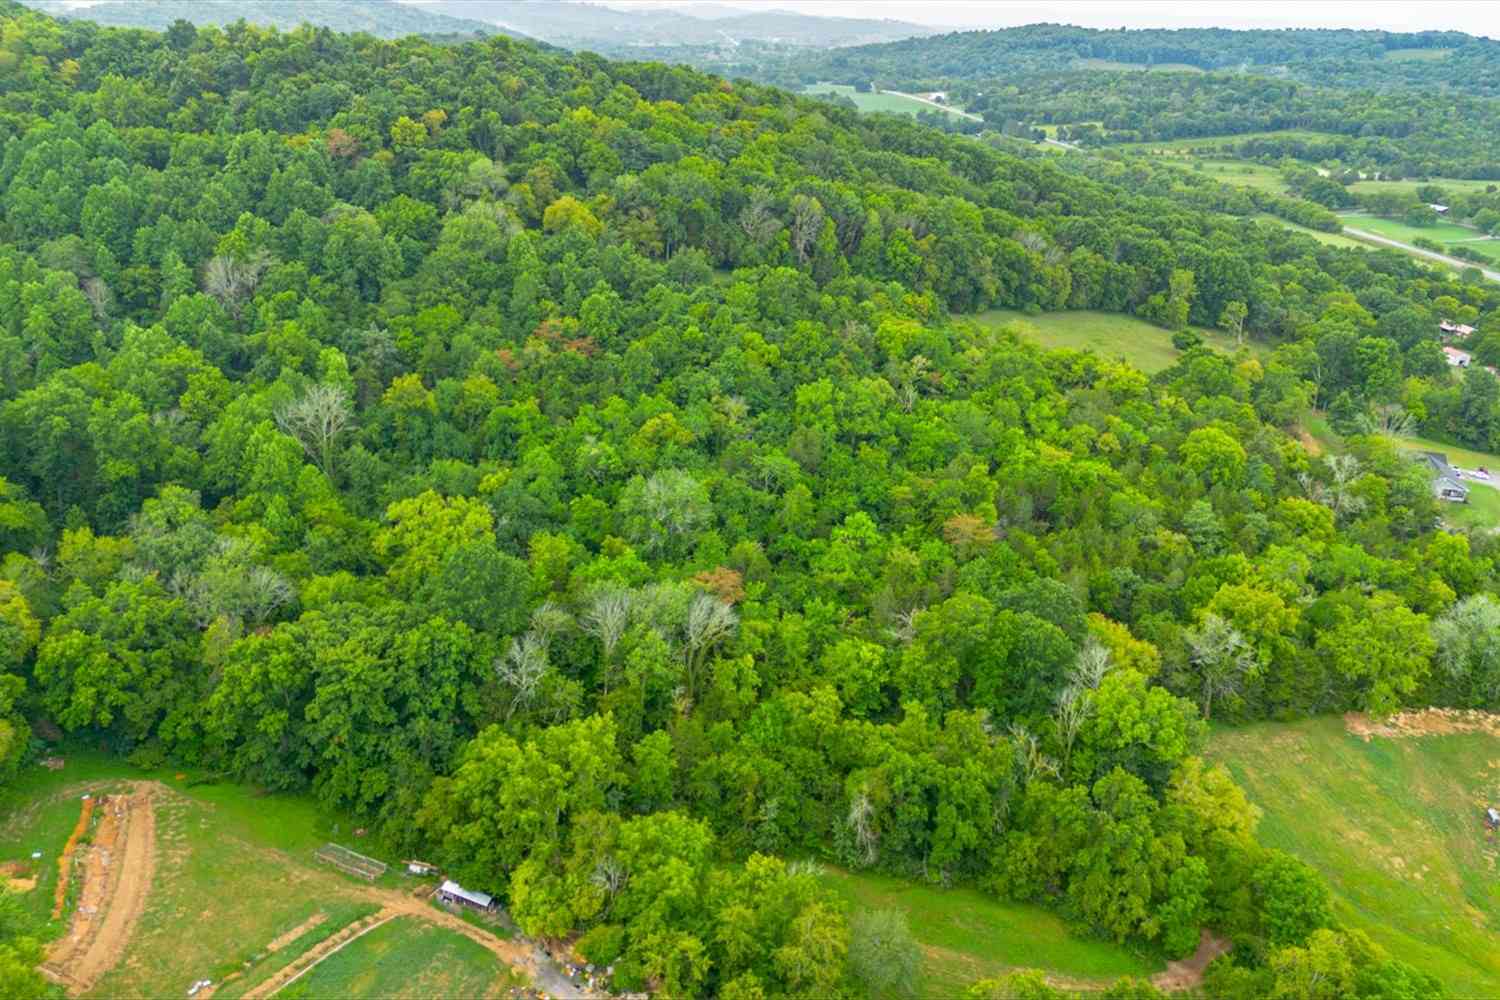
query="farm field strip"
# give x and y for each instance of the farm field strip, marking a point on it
(117, 873)
(309, 959)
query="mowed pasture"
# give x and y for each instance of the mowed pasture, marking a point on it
(967, 935)
(405, 958)
(1115, 336)
(1395, 229)
(1395, 826)
(877, 101)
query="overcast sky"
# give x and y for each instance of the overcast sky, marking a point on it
(1477, 17)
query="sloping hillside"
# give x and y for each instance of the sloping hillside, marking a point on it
(1395, 825)
(382, 18)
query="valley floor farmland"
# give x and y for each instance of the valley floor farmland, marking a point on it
(1395, 826)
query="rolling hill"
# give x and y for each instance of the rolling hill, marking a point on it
(1395, 825)
(382, 18)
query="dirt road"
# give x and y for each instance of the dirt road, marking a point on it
(116, 882)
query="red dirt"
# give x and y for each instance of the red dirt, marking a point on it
(1427, 722)
(116, 882)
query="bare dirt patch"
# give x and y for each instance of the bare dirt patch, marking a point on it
(296, 932)
(116, 881)
(1427, 722)
(1187, 974)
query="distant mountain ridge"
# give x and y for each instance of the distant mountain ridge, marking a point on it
(1337, 57)
(574, 24)
(381, 18)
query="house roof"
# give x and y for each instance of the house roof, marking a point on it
(452, 888)
(1457, 357)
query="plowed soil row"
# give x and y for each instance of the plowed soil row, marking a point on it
(116, 882)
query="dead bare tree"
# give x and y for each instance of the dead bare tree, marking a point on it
(861, 820)
(522, 668)
(807, 225)
(231, 279)
(709, 622)
(1223, 658)
(316, 420)
(606, 619)
(757, 221)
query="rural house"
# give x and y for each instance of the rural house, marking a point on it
(1457, 358)
(1453, 329)
(1446, 485)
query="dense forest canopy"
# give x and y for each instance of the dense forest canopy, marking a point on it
(584, 473)
(1341, 57)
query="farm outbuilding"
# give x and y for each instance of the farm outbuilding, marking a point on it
(1492, 818)
(451, 892)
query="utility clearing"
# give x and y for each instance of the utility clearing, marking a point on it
(1391, 812)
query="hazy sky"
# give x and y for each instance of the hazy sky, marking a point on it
(1477, 17)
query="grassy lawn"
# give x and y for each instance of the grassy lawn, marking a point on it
(405, 958)
(1395, 827)
(875, 102)
(1442, 232)
(967, 935)
(1111, 335)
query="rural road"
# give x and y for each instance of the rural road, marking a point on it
(1369, 237)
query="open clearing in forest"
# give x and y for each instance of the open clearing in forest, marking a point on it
(967, 935)
(205, 881)
(880, 101)
(1110, 335)
(1395, 826)
(405, 957)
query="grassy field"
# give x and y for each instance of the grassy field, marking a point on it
(967, 935)
(875, 102)
(1111, 335)
(1208, 141)
(1243, 173)
(405, 958)
(1442, 232)
(1332, 239)
(1415, 55)
(1395, 827)
(233, 872)
(1449, 184)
